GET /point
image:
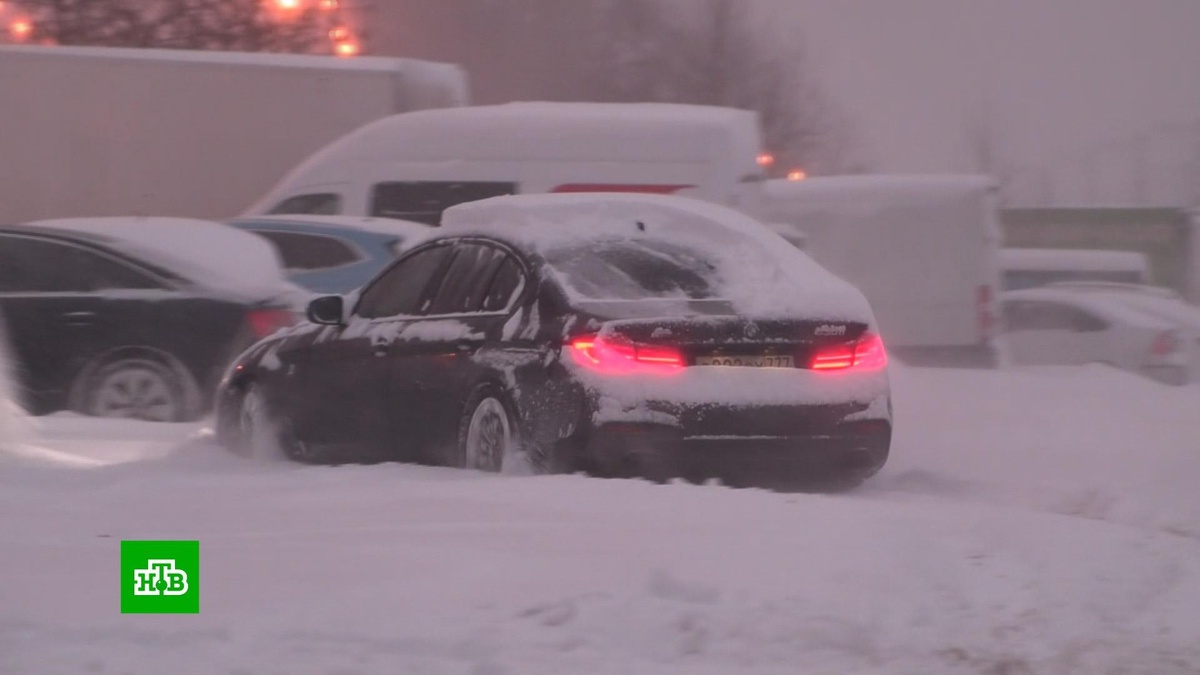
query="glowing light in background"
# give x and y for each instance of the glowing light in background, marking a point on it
(20, 29)
(766, 159)
(796, 174)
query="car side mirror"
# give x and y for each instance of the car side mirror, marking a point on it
(328, 310)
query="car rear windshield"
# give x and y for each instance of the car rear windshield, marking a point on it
(634, 270)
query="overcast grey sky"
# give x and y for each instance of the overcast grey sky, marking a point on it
(1062, 76)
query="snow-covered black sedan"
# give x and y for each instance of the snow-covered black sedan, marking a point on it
(622, 335)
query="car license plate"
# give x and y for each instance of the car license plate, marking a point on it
(751, 361)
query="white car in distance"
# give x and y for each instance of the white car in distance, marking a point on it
(1078, 324)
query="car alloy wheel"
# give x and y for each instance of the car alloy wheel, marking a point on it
(489, 436)
(135, 389)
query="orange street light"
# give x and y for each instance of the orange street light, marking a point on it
(20, 29)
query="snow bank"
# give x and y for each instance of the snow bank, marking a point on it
(1092, 442)
(213, 254)
(761, 274)
(1029, 523)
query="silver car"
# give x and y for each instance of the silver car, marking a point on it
(1077, 324)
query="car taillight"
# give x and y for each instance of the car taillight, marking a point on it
(616, 357)
(264, 322)
(987, 320)
(867, 353)
(1166, 343)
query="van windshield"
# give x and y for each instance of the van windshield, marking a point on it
(425, 201)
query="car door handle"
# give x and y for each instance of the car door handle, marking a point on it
(381, 347)
(80, 318)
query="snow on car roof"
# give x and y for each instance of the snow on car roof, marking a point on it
(212, 254)
(386, 226)
(1173, 310)
(762, 274)
(1072, 259)
(1109, 307)
(659, 132)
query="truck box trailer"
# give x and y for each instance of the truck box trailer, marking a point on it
(923, 249)
(94, 131)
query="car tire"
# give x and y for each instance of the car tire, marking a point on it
(262, 433)
(489, 436)
(134, 388)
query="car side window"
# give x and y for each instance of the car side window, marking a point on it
(1085, 322)
(320, 204)
(1039, 316)
(403, 289)
(506, 286)
(467, 279)
(301, 251)
(32, 265)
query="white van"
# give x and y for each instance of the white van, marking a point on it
(415, 165)
(1033, 267)
(923, 249)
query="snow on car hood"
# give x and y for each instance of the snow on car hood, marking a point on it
(759, 273)
(212, 254)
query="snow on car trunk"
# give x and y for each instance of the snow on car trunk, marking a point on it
(212, 254)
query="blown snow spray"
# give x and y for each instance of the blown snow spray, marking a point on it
(12, 417)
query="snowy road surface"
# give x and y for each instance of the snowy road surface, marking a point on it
(1039, 522)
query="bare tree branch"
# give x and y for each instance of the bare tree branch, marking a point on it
(721, 59)
(239, 25)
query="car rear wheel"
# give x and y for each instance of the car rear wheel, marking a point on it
(489, 437)
(135, 388)
(264, 434)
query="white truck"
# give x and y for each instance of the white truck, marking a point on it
(92, 131)
(415, 165)
(923, 249)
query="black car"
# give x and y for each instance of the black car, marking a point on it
(104, 324)
(532, 332)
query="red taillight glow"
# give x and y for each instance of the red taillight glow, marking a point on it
(866, 354)
(987, 319)
(617, 357)
(1165, 344)
(264, 322)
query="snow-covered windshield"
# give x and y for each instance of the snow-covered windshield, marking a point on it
(634, 270)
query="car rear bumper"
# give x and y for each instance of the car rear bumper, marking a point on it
(850, 451)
